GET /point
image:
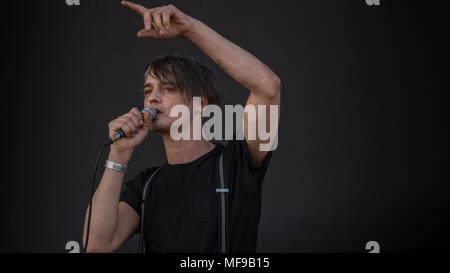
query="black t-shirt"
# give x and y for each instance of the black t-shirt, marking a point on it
(181, 209)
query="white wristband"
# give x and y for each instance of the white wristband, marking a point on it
(116, 166)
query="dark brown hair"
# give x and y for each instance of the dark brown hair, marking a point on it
(189, 75)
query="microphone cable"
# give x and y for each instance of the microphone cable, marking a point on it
(92, 195)
(119, 134)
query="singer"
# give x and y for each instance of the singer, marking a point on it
(185, 198)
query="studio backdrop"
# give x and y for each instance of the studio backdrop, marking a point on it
(363, 136)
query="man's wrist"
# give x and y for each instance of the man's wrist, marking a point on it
(190, 33)
(120, 157)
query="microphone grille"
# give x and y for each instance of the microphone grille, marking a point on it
(152, 110)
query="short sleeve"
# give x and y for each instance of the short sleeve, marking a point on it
(242, 168)
(239, 150)
(132, 190)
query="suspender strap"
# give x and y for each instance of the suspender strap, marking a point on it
(144, 194)
(223, 200)
(223, 213)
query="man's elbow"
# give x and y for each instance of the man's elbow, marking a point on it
(277, 84)
(273, 87)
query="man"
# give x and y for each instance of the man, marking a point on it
(180, 205)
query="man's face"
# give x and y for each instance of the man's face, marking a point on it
(162, 96)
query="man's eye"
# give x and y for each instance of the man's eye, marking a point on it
(168, 89)
(147, 92)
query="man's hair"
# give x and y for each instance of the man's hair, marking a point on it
(189, 75)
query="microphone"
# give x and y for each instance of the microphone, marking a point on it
(120, 133)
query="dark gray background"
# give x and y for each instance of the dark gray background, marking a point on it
(363, 140)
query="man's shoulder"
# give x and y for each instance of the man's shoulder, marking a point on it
(149, 171)
(144, 174)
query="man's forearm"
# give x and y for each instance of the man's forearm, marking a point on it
(237, 62)
(105, 205)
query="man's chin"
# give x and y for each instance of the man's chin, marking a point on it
(160, 129)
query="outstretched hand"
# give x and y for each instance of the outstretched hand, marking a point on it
(168, 21)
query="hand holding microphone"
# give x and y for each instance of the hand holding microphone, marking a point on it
(131, 128)
(126, 133)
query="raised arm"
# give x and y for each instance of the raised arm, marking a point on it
(264, 85)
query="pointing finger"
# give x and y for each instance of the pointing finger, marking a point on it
(134, 7)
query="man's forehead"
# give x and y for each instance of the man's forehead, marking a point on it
(151, 80)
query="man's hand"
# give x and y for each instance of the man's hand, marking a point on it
(135, 127)
(168, 21)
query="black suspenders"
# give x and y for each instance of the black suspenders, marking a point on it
(223, 212)
(144, 194)
(223, 201)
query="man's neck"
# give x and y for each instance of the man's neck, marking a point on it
(185, 151)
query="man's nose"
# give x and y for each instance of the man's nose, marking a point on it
(155, 97)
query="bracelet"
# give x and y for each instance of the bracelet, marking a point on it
(116, 166)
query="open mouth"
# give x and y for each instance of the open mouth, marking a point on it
(157, 113)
